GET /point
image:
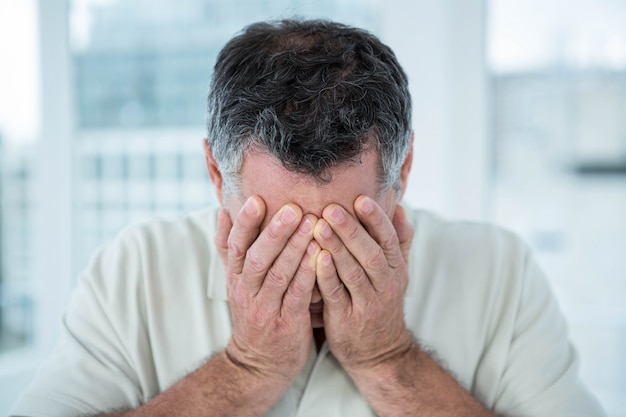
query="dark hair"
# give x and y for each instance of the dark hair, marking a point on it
(314, 94)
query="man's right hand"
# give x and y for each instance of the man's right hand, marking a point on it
(271, 275)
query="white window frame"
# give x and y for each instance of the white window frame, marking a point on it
(53, 233)
(448, 79)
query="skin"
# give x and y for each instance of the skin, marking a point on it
(303, 255)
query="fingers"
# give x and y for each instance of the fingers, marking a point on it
(298, 296)
(244, 232)
(378, 225)
(290, 275)
(354, 245)
(357, 256)
(404, 230)
(346, 264)
(334, 293)
(224, 224)
(258, 269)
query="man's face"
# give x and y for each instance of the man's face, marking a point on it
(264, 176)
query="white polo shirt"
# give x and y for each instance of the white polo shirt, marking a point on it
(152, 307)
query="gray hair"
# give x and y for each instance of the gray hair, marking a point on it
(313, 94)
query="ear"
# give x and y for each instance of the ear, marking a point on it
(214, 172)
(406, 168)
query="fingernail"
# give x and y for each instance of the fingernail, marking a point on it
(327, 232)
(250, 207)
(305, 226)
(367, 205)
(311, 249)
(336, 215)
(288, 215)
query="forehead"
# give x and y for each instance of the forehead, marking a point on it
(261, 174)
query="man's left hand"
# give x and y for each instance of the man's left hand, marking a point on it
(362, 275)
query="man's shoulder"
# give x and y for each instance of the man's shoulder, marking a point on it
(465, 250)
(434, 229)
(147, 254)
(185, 229)
(168, 241)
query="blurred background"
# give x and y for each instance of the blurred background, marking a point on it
(520, 119)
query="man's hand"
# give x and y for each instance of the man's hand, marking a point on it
(271, 274)
(362, 276)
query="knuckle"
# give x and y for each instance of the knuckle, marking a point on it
(376, 261)
(296, 289)
(294, 245)
(277, 277)
(336, 247)
(235, 248)
(380, 221)
(354, 275)
(390, 239)
(306, 266)
(259, 316)
(254, 261)
(336, 292)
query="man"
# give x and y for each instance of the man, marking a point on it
(311, 292)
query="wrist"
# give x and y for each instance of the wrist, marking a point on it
(256, 370)
(393, 358)
(391, 387)
(415, 384)
(394, 366)
(247, 385)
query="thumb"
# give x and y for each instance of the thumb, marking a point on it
(404, 230)
(224, 224)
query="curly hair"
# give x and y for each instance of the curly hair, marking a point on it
(314, 94)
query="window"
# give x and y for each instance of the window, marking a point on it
(558, 74)
(123, 140)
(119, 138)
(18, 121)
(16, 218)
(141, 73)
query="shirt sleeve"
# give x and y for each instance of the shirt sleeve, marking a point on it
(541, 377)
(91, 370)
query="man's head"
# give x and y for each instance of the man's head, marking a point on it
(313, 96)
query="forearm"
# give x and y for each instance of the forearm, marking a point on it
(415, 385)
(218, 388)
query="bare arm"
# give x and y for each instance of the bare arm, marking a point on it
(217, 388)
(415, 385)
